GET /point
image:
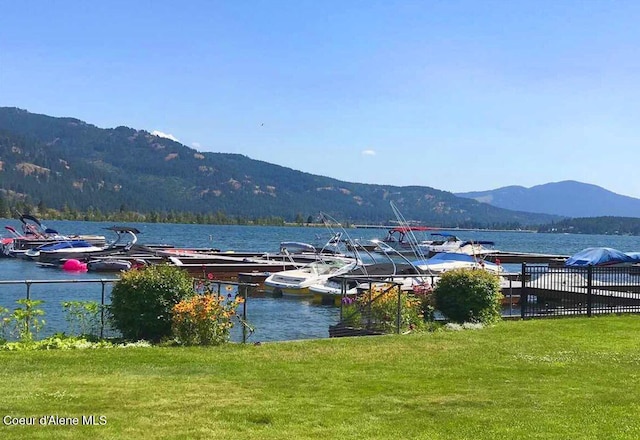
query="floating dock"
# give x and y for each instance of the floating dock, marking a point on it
(523, 257)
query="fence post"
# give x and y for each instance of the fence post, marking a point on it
(244, 316)
(369, 305)
(399, 311)
(343, 295)
(589, 288)
(510, 297)
(27, 306)
(102, 311)
(523, 291)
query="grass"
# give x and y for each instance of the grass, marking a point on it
(547, 379)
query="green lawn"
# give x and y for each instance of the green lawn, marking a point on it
(547, 379)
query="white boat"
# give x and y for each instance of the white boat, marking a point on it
(332, 291)
(402, 239)
(444, 262)
(450, 243)
(296, 282)
(350, 281)
(110, 265)
(68, 248)
(365, 276)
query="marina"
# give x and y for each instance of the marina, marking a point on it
(283, 318)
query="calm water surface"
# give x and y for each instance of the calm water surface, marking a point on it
(273, 319)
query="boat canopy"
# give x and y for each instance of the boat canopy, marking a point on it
(402, 231)
(598, 256)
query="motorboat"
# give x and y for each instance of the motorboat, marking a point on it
(66, 247)
(83, 250)
(446, 261)
(450, 243)
(296, 282)
(403, 239)
(362, 278)
(602, 256)
(35, 234)
(6, 243)
(112, 265)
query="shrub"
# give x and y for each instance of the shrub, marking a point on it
(27, 319)
(141, 301)
(204, 319)
(83, 316)
(61, 341)
(469, 296)
(5, 321)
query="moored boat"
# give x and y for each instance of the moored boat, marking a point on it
(83, 250)
(447, 261)
(296, 282)
(35, 234)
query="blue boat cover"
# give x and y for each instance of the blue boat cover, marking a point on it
(635, 256)
(598, 256)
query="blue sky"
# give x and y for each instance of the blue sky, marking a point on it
(456, 95)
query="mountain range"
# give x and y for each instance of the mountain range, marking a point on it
(66, 163)
(567, 198)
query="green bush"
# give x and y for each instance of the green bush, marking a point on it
(83, 317)
(141, 301)
(469, 296)
(26, 319)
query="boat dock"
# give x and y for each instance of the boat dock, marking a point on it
(523, 257)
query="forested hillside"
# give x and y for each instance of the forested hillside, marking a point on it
(595, 225)
(67, 164)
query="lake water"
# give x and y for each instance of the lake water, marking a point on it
(273, 319)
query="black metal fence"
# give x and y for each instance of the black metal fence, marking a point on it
(77, 294)
(379, 305)
(53, 309)
(585, 291)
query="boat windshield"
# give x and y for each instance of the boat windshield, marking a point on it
(324, 267)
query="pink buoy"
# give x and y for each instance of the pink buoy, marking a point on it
(74, 266)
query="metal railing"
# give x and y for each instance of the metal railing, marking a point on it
(103, 282)
(567, 291)
(242, 290)
(367, 315)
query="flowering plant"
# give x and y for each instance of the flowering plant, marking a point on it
(424, 293)
(204, 319)
(382, 307)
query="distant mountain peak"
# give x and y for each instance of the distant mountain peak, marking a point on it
(568, 198)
